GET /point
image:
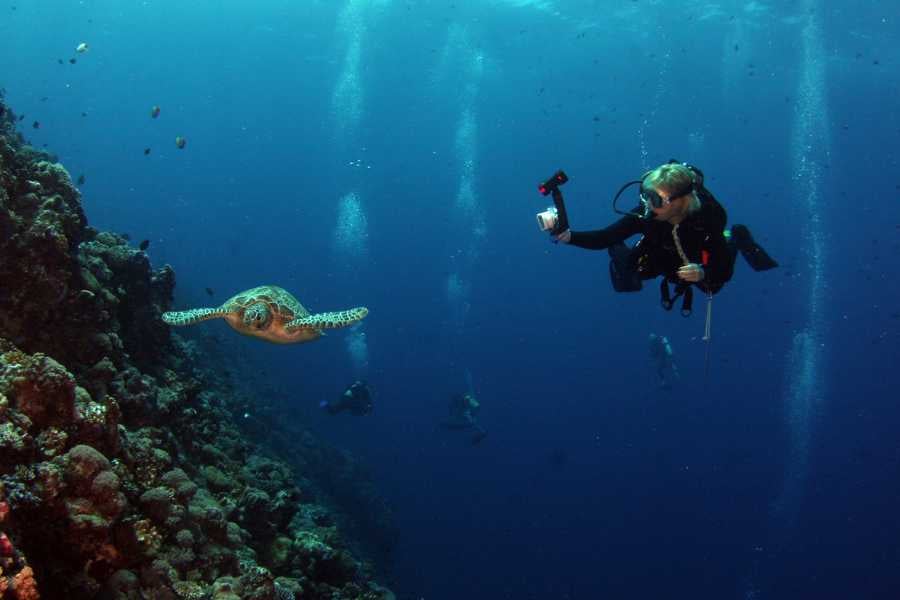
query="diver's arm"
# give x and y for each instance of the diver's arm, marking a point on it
(602, 239)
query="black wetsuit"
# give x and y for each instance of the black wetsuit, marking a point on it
(463, 409)
(702, 238)
(356, 398)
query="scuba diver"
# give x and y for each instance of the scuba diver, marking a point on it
(463, 408)
(663, 360)
(683, 235)
(357, 399)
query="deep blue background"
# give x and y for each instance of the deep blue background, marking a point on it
(662, 494)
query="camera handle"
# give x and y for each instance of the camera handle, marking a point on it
(562, 222)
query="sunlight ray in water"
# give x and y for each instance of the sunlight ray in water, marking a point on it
(810, 152)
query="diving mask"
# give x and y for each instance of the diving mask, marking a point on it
(650, 198)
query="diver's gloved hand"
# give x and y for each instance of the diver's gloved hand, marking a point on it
(564, 236)
(692, 273)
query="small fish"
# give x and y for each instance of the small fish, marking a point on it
(72, 61)
(154, 112)
(146, 151)
(144, 245)
(2, 110)
(81, 48)
(60, 61)
(210, 291)
(180, 142)
(21, 117)
(44, 98)
(80, 180)
(84, 114)
(36, 124)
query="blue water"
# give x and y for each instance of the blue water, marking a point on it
(776, 477)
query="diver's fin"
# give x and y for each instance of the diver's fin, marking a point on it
(753, 253)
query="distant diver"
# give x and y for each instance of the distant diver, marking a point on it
(559, 458)
(463, 409)
(663, 360)
(356, 399)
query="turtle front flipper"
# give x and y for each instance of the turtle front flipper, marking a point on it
(195, 315)
(328, 320)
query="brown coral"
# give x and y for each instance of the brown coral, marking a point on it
(41, 389)
(24, 586)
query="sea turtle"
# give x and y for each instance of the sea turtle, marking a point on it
(269, 313)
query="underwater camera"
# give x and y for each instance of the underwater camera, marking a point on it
(548, 219)
(554, 218)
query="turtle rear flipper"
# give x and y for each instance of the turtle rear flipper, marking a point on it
(195, 315)
(328, 320)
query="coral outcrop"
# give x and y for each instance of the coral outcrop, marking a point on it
(123, 471)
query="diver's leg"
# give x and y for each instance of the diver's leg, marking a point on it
(753, 253)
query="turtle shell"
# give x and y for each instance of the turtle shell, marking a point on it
(281, 303)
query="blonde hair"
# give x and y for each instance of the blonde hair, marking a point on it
(670, 178)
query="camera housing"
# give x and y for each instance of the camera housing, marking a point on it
(548, 219)
(554, 219)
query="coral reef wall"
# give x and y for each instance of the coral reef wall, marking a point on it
(123, 473)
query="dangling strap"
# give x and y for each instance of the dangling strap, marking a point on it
(707, 337)
(708, 329)
(687, 305)
(664, 298)
(668, 301)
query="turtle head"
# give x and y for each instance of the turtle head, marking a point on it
(257, 316)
